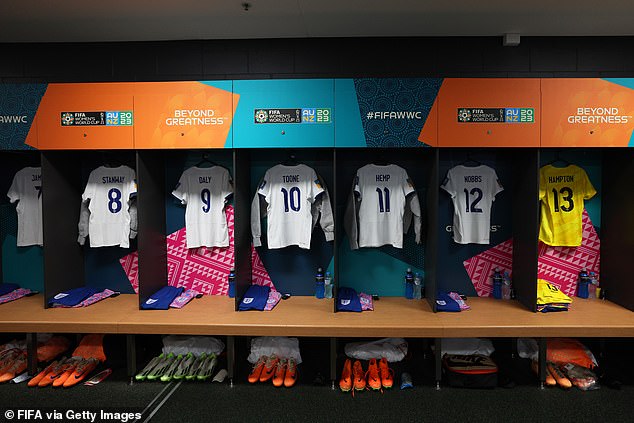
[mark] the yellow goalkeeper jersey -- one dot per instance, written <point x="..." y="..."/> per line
<point x="547" y="293"/>
<point x="562" y="191"/>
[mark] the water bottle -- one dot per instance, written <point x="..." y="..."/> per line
<point x="506" y="287"/>
<point x="319" y="283"/>
<point x="582" y="284"/>
<point x="328" y="285"/>
<point x="232" y="283"/>
<point x="409" y="284"/>
<point x="498" y="281"/>
<point x="418" y="285"/>
<point x="592" y="286"/>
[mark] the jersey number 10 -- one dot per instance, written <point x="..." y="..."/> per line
<point x="291" y="198"/>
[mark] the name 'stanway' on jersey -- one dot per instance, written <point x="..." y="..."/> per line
<point x="112" y="179"/>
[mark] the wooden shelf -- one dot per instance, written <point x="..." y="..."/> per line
<point x="29" y="315"/>
<point x="307" y="316"/>
<point x="498" y="318"/>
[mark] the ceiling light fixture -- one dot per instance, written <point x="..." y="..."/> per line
<point x="511" y="40"/>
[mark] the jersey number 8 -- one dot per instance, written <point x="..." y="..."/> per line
<point x="114" y="200"/>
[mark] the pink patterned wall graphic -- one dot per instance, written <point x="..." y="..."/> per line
<point x="558" y="265"/>
<point x="202" y="269"/>
<point x="481" y="267"/>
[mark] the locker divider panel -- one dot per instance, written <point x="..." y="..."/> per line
<point x="151" y="222"/>
<point x="525" y="225"/>
<point x="61" y="200"/>
<point x="431" y="230"/>
<point x="242" y="221"/>
<point x="335" y="248"/>
<point x="617" y="226"/>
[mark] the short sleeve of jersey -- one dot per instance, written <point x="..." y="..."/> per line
<point x="449" y="184"/>
<point x="542" y="184"/>
<point x="265" y="186"/>
<point x="14" y="190"/>
<point x="181" y="189"/>
<point x="227" y="185"/>
<point x="132" y="185"/>
<point x="316" y="187"/>
<point x="496" y="185"/>
<point x="357" y="188"/>
<point x="407" y="184"/>
<point x="89" y="191"/>
<point x="588" y="189"/>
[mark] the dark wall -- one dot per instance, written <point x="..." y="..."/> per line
<point x="317" y="57"/>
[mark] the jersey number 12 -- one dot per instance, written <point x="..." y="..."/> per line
<point x="473" y="206"/>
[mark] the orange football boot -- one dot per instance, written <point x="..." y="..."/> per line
<point x="280" y="372"/>
<point x="374" y="380"/>
<point x="291" y="373"/>
<point x="70" y="368"/>
<point x="82" y="370"/>
<point x="55" y="372"/>
<point x="387" y="374"/>
<point x="18" y="366"/>
<point x="254" y="376"/>
<point x="358" y="376"/>
<point x="36" y="379"/>
<point x="269" y="368"/>
<point x="345" y="383"/>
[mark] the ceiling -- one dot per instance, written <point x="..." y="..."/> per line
<point x="142" y="20"/>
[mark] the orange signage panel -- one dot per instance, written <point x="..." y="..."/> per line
<point x="488" y="112"/>
<point x="184" y="114"/>
<point x="586" y="113"/>
<point x="86" y="116"/>
<point x="429" y="134"/>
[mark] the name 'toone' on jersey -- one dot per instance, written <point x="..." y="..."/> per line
<point x="26" y="188"/>
<point x="109" y="190"/>
<point x="472" y="190"/>
<point x="382" y="191"/>
<point x="205" y="191"/>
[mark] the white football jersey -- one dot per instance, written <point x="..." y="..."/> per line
<point x="109" y="190"/>
<point x="382" y="191"/>
<point x="473" y="190"/>
<point x="205" y="191"/>
<point x="26" y="188"/>
<point x="289" y="192"/>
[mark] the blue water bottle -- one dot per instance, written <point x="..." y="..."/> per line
<point x="232" y="283"/>
<point x="498" y="281"/>
<point x="409" y="284"/>
<point x="582" y="284"/>
<point x="319" y="283"/>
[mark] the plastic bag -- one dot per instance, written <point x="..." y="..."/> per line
<point x="581" y="377"/>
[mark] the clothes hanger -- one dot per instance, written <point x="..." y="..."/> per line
<point x="205" y="160"/>
<point x="470" y="160"/>
<point x="110" y="160"/>
<point x="380" y="159"/>
<point x="558" y="159"/>
<point x="291" y="160"/>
